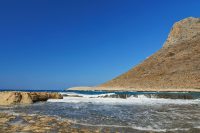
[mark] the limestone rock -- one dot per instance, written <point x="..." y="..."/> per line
<point x="10" y="98"/>
<point x="183" y="30"/>
<point x="26" y="98"/>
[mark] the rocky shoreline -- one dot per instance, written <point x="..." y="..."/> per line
<point x="14" y="97"/>
<point x="10" y="123"/>
<point x="33" y="123"/>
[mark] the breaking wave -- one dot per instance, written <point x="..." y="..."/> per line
<point x="113" y="98"/>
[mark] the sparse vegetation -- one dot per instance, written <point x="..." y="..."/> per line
<point x="180" y="71"/>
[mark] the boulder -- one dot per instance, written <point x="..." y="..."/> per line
<point x="11" y="98"/>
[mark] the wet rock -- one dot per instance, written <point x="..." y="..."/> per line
<point x="66" y="95"/>
<point x="159" y="95"/>
<point x="170" y="96"/>
<point x="123" y="96"/>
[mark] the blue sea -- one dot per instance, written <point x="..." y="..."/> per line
<point x="126" y="111"/>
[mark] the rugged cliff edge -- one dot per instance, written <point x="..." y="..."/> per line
<point x="11" y="97"/>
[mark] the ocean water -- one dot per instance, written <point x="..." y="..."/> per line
<point x="125" y="111"/>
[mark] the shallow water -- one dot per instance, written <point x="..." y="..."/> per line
<point x="136" y="111"/>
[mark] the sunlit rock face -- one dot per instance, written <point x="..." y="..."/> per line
<point x="183" y="30"/>
<point x="10" y="98"/>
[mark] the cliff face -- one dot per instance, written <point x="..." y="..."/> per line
<point x="183" y="30"/>
<point x="176" y="65"/>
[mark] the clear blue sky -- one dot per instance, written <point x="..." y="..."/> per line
<point x="46" y="44"/>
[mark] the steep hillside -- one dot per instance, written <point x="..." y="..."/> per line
<point x="175" y="66"/>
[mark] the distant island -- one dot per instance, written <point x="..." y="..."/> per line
<point x="175" y="67"/>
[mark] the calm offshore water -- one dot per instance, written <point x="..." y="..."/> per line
<point x="142" y="111"/>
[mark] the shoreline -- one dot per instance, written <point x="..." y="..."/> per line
<point x="16" y="97"/>
<point x="10" y="122"/>
<point x="118" y="89"/>
<point x="16" y="121"/>
<point x="20" y="122"/>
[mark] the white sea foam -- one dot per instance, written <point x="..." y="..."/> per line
<point x="86" y="95"/>
<point x="141" y="99"/>
<point x="148" y="128"/>
<point x="159" y="130"/>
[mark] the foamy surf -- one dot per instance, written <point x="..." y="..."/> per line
<point x="125" y="111"/>
<point x="140" y="99"/>
<point x="84" y="95"/>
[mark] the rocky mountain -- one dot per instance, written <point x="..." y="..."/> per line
<point x="175" y="66"/>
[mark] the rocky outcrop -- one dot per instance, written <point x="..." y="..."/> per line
<point x="44" y="96"/>
<point x="183" y="30"/>
<point x="10" y="98"/>
<point x="176" y="66"/>
<point x="25" y="123"/>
